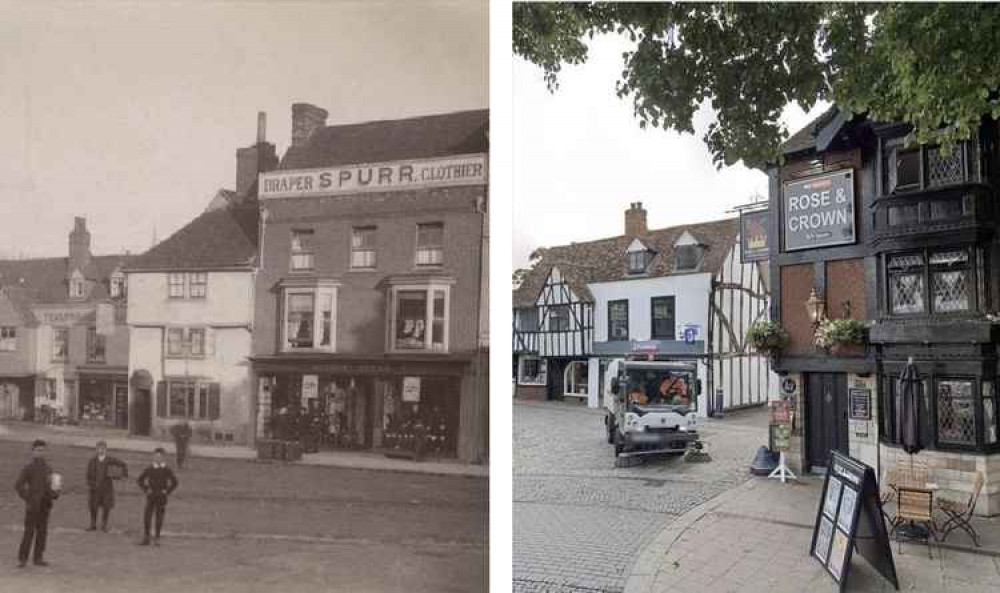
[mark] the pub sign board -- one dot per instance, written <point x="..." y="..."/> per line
<point x="850" y="517"/>
<point x="819" y="211"/>
<point x="753" y="235"/>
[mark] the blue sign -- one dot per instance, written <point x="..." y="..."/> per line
<point x="690" y="334"/>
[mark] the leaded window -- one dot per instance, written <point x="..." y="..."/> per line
<point x="944" y="170"/>
<point x="915" y="168"/>
<point x="950" y="281"/>
<point x="941" y="279"/>
<point x="906" y="284"/>
<point x="956" y="412"/>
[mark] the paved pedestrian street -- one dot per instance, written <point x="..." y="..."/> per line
<point x="579" y="522"/>
<point x="236" y="525"/>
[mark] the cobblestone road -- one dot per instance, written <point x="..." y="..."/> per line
<point x="579" y="521"/>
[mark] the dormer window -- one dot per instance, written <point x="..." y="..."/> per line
<point x="76" y="285"/>
<point x="116" y="286"/>
<point x="639" y="256"/>
<point x="687" y="257"/>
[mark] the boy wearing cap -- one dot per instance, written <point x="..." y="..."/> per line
<point x="34" y="485"/>
<point x="101" y="470"/>
<point x="158" y="482"/>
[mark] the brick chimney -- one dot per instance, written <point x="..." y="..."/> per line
<point x="305" y="119"/>
<point x="79" y="245"/>
<point x="635" y="220"/>
<point x="259" y="158"/>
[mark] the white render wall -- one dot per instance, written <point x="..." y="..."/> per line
<point x="229" y="300"/>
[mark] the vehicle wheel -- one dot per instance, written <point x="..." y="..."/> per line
<point x="619" y="446"/>
<point x="611" y="430"/>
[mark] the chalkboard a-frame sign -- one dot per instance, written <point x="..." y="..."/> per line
<point x="850" y="517"/>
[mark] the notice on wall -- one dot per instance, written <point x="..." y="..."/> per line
<point x="819" y="211"/>
<point x="310" y="388"/>
<point x="411" y="389"/>
<point x="375" y="177"/>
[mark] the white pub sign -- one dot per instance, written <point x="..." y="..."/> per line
<point x="374" y="177"/>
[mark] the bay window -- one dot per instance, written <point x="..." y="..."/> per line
<point x="935" y="281"/>
<point x="418" y="317"/>
<point x="309" y="322"/>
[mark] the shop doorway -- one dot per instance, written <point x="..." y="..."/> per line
<point x="142" y="408"/>
<point x="557" y="379"/>
<point x="826" y="416"/>
<point x="121" y="405"/>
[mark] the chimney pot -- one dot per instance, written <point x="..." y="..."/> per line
<point x="261" y="127"/>
<point x="635" y="220"/>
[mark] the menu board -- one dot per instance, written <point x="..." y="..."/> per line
<point x="849" y="517"/>
<point x="861" y="403"/>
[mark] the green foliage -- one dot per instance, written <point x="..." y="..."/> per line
<point x="933" y="66"/>
<point x="839" y="332"/>
<point x="767" y="337"/>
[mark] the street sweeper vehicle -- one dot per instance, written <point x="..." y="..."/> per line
<point x="650" y="407"/>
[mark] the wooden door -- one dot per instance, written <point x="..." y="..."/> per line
<point x="826" y="416"/>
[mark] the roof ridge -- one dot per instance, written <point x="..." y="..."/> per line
<point x="649" y="232"/>
<point x="409" y="118"/>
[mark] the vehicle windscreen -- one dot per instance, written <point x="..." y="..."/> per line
<point x="650" y="387"/>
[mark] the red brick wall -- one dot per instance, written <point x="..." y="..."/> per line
<point x="532" y="392"/>
<point x="845" y="282"/>
<point x="796" y="284"/>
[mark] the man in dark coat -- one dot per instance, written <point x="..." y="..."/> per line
<point x="34" y="486"/>
<point x="158" y="482"/>
<point x="101" y="470"/>
<point x="182" y="436"/>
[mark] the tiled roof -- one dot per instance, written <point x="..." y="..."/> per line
<point x="45" y="280"/>
<point x="20" y="301"/>
<point x="604" y="260"/>
<point x="805" y="138"/>
<point x="218" y="238"/>
<point x="461" y="132"/>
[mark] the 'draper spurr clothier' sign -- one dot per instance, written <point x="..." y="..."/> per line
<point x="374" y="177"/>
<point x="819" y="211"/>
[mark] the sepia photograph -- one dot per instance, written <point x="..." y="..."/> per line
<point x="244" y="280"/>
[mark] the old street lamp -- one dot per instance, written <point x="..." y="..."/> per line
<point x="816" y="307"/>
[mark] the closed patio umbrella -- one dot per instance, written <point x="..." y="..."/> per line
<point x="907" y="419"/>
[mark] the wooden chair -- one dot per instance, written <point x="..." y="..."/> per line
<point x="915" y="506"/>
<point x="960" y="513"/>
<point x="887" y="493"/>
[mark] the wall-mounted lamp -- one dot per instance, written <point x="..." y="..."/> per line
<point x="816" y="308"/>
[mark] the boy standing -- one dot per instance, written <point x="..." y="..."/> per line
<point x="101" y="470"/>
<point x="34" y="486"/>
<point x="158" y="482"/>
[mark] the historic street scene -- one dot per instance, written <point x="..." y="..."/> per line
<point x="244" y="297"/>
<point x="754" y="338"/>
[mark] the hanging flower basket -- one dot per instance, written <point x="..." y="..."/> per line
<point x="833" y="335"/>
<point x="767" y="337"/>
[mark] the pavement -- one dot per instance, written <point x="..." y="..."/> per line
<point x="236" y="526"/>
<point x="580" y="522"/>
<point x="117" y="439"/>
<point x="756" y="538"/>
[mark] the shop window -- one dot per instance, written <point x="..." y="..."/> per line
<point x="430" y="244"/>
<point x="116" y="285"/>
<point x="527" y="319"/>
<point x="197" y="285"/>
<point x="559" y="316"/>
<point x="8" y="338"/>
<point x="531" y="371"/>
<point x="191" y="400"/>
<point x="96" y="345"/>
<point x="175" y="282"/>
<point x="575" y="378"/>
<point x="60" y="343"/>
<point x="363" y="247"/>
<point x="618" y="320"/>
<point x="956" y="415"/>
<point x="663" y="318"/>
<point x="414" y="310"/>
<point x="302" y="250"/>
<point x="308" y="319"/>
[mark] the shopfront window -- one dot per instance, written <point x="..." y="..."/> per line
<point x="575" y="378"/>
<point x="531" y="371"/>
<point x="309" y="319"/>
<point x="191" y="400"/>
<point x="420" y="318"/>
<point x="96" y="345"/>
<point x="60" y="343"/>
<point x="956" y="412"/>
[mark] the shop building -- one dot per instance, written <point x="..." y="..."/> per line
<point x="679" y="293"/>
<point x="370" y="297"/>
<point x="63" y="342"/>
<point x="903" y="238"/>
<point x="190" y="315"/>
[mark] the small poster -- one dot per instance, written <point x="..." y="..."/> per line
<point x="832" y="497"/>
<point x="823" y="537"/>
<point x="782" y="437"/>
<point x="837" y="554"/>
<point x="846" y="515"/>
<point x="861" y="403"/>
<point x="310" y="388"/>
<point x="411" y="389"/>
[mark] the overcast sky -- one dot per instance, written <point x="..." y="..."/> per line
<point x="131" y="113"/>
<point x="580" y="159"/>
